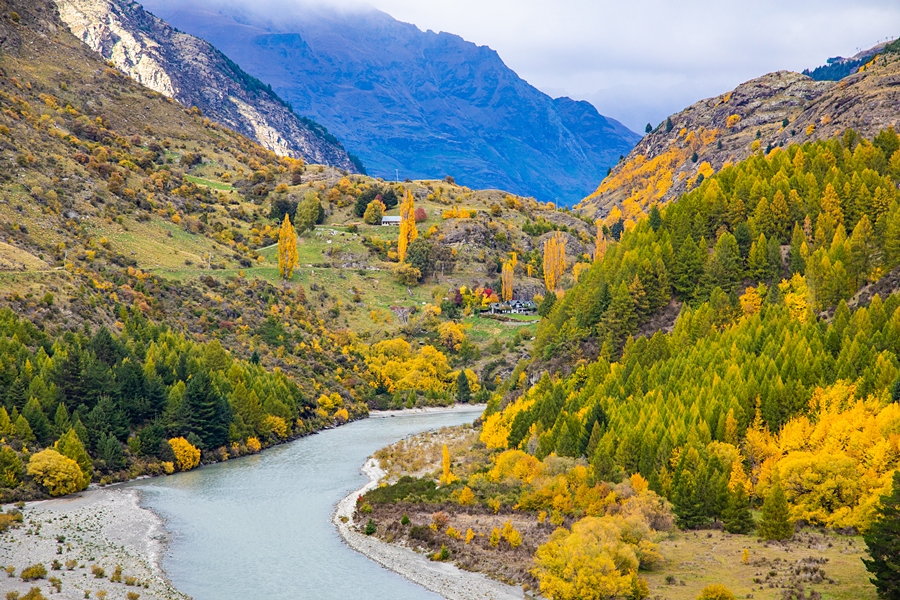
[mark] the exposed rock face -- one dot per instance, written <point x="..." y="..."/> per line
<point x="428" y="104"/>
<point x="774" y="110"/>
<point x="194" y="73"/>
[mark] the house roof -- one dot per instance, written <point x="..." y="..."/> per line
<point x="390" y="219"/>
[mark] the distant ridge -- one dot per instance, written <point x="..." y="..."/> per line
<point x="418" y="104"/>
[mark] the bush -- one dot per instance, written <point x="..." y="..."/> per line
<point x="58" y="474"/>
<point x="404" y="520"/>
<point x="187" y="456"/>
<point x="370" y="527"/>
<point x="38" y="571"/>
<point x="98" y="572"/>
<point x="716" y="591"/>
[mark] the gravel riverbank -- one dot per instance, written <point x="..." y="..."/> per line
<point x="441" y="578"/>
<point x="104" y="528"/>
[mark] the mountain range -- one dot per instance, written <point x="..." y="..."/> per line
<point x="415" y="104"/>
<point x="196" y="74"/>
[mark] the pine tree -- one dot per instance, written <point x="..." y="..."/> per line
<point x="689" y="512"/>
<point x="70" y="445"/>
<point x="40" y="425"/>
<point x="287" y="249"/>
<point x="775" y="523"/>
<point x="737" y="517"/>
<point x="463" y="391"/>
<point x="203" y="412"/>
<point x="883" y="540"/>
<point x="110" y="451"/>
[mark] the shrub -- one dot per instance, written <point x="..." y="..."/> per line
<point x="370" y="527"/>
<point x="116" y="577"/>
<point x="132" y="596"/>
<point x="38" y="571"/>
<point x="441" y="555"/>
<point x="187" y="456"/>
<point x="366" y="509"/>
<point x="715" y="591"/>
<point x="404" y="520"/>
<point x="58" y="474"/>
<point x="98" y="572"/>
<point x="71" y="564"/>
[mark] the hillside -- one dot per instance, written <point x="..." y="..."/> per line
<point x="771" y="111"/>
<point x="617" y="454"/>
<point x="140" y="254"/>
<point x="427" y="104"/>
<point x="195" y="73"/>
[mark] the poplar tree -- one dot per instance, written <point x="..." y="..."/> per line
<point x="287" y="249"/>
<point x="554" y="260"/>
<point x="408" y="231"/>
<point x="506" y="277"/>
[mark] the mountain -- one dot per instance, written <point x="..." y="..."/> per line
<point x="769" y="112"/>
<point x="195" y="73"/>
<point x="422" y="103"/>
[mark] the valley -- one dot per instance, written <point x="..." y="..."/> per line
<point x="686" y="386"/>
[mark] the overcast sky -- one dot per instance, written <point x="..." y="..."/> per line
<point x="641" y="60"/>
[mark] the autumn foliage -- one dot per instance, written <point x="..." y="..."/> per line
<point x="554" y="261"/>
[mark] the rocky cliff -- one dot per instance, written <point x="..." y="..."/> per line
<point x="424" y="103"/>
<point x="760" y="115"/>
<point x="193" y="72"/>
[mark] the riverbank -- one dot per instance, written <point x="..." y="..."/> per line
<point x="442" y="578"/>
<point x="105" y="528"/>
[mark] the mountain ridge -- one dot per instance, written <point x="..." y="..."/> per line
<point x="424" y="103"/>
<point x="759" y="115"/>
<point x="196" y="73"/>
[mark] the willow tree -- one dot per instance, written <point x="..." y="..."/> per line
<point x="506" y="277"/>
<point x="287" y="249"/>
<point x="408" y="231"/>
<point x="554" y="260"/>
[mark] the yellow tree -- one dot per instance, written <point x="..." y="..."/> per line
<point x="287" y="249"/>
<point x="447" y="477"/>
<point x="554" y="260"/>
<point x="600" y="243"/>
<point x="408" y="231"/>
<point x="506" y="278"/>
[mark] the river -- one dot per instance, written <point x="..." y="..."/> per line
<point x="259" y="527"/>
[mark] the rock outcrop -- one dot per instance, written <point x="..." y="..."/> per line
<point x="760" y="115"/>
<point x="194" y="73"/>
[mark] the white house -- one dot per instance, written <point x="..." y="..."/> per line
<point x="387" y="221"/>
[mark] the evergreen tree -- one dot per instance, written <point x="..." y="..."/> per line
<point x="38" y="421"/>
<point x="883" y="540"/>
<point x="737" y="517"/>
<point x="204" y="412"/>
<point x="16" y="396"/>
<point x="775" y="523"/>
<point x="70" y="445"/>
<point x="547" y="304"/>
<point x="655" y="218"/>
<point x="110" y="450"/>
<point x="689" y="509"/>
<point x="463" y="391"/>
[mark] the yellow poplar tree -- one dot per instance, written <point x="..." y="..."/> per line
<point x="408" y="231"/>
<point x="600" y="243"/>
<point x="506" y="278"/>
<point x="554" y="260"/>
<point x="448" y="477"/>
<point x="287" y="249"/>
